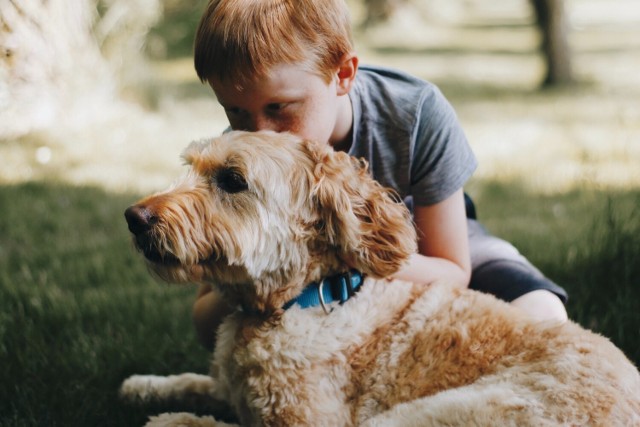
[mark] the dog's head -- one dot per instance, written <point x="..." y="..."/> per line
<point x="268" y="213"/>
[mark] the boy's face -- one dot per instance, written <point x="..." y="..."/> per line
<point x="289" y="99"/>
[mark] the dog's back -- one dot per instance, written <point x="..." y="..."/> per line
<point x="425" y="355"/>
<point x="475" y="360"/>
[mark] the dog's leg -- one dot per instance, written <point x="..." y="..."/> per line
<point x="184" y="419"/>
<point x="172" y="388"/>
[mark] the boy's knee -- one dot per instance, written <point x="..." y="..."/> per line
<point x="485" y="247"/>
<point x="542" y="305"/>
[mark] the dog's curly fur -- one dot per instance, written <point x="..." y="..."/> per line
<point x="261" y="215"/>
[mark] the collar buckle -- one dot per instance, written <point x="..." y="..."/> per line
<point x="339" y="288"/>
<point x="323" y="304"/>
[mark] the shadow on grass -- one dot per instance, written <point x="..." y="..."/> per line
<point x="80" y="312"/>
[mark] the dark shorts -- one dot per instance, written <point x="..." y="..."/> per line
<point x="498" y="268"/>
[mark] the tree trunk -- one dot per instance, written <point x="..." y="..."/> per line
<point x="552" y="20"/>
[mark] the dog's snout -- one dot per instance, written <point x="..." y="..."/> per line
<point x="139" y="218"/>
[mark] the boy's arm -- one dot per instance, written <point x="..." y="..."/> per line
<point x="209" y="310"/>
<point x="443" y="244"/>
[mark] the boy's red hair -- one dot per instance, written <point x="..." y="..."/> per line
<point x="240" y="40"/>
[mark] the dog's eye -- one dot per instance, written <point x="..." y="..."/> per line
<point x="231" y="181"/>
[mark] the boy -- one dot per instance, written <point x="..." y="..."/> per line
<point x="289" y="65"/>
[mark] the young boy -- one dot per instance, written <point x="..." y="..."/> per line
<point x="289" y="65"/>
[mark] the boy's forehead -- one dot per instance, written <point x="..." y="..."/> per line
<point x="281" y="81"/>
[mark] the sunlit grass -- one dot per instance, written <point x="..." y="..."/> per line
<point x="484" y="57"/>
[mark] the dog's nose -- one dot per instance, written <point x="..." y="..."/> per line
<point x="139" y="218"/>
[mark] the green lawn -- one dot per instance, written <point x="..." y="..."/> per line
<point x="80" y="312"/>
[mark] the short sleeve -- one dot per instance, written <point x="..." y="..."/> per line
<point x="441" y="159"/>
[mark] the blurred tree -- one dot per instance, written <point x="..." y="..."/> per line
<point x="551" y="19"/>
<point x="62" y="62"/>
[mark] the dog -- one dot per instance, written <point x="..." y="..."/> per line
<point x="305" y="243"/>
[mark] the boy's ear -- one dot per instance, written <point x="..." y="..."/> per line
<point x="346" y="73"/>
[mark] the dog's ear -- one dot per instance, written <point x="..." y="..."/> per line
<point x="371" y="228"/>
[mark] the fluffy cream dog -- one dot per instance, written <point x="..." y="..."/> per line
<point x="267" y="218"/>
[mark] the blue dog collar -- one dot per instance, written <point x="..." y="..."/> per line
<point x="335" y="288"/>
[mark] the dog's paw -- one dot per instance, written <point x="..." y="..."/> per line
<point x="157" y="388"/>
<point x="143" y="387"/>
<point x="184" y="419"/>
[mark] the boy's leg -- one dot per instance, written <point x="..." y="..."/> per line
<point x="542" y="305"/>
<point x="499" y="269"/>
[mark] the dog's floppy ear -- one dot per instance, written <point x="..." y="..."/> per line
<point x="372" y="230"/>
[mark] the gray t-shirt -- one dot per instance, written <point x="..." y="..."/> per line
<point x="409" y="134"/>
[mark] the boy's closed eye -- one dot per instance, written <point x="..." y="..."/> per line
<point x="234" y="111"/>
<point x="277" y="107"/>
<point x="272" y="109"/>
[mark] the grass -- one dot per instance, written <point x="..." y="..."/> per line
<point x="79" y="311"/>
